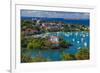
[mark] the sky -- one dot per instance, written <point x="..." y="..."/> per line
<point x="54" y="14"/>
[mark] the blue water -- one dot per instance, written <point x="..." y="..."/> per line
<point x="69" y="21"/>
<point x="78" y="39"/>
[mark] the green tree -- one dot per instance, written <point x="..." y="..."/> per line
<point x="23" y="41"/>
<point x="34" y="44"/>
<point x="68" y="57"/>
<point x="64" y="44"/>
<point x="39" y="59"/>
<point x="46" y="44"/>
<point x="25" y="58"/>
<point x="83" y="54"/>
<point x="30" y="45"/>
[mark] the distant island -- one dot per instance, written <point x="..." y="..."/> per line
<point x="39" y="25"/>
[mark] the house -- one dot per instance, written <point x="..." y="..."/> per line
<point x="54" y="39"/>
<point x="30" y="31"/>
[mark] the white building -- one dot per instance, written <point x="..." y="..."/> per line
<point x="54" y="39"/>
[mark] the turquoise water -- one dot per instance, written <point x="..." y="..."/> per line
<point x="78" y="40"/>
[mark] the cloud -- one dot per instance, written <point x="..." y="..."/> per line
<point x="54" y="14"/>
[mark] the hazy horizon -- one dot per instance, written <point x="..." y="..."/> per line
<point x="54" y="14"/>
